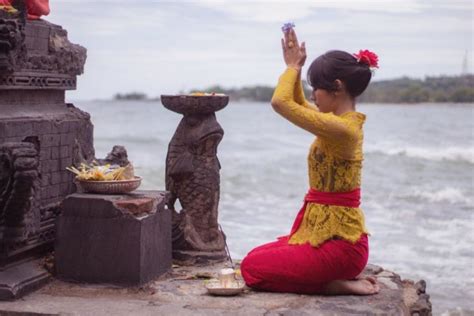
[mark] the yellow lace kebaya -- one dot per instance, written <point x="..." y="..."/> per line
<point x="334" y="162"/>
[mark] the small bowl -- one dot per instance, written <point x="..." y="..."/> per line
<point x="111" y="187"/>
<point x="214" y="287"/>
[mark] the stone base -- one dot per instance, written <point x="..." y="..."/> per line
<point x="187" y="258"/>
<point x="117" y="239"/>
<point x="22" y="279"/>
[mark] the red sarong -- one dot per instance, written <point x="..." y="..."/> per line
<point x="281" y="267"/>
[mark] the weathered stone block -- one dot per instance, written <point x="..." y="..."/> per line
<point x="55" y="152"/>
<point x="50" y="140"/>
<point x="53" y="190"/>
<point x="42" y="127"/>
<point x="64" y="151"/>
<point x="45" y="153"/>
<point x="24" y="128"/>
<point x="66" y="176"/>
<point x="112" y="239"/>
<point x="63" y="127"/>
<point x="45" y="178"/>
<point x="64" y="163"/>
<point x="67" y="139"/>
<point x="48" y="166"/>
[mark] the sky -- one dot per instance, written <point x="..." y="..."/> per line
<point x="164" y="47"/>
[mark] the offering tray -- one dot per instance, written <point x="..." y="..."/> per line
<point x="194" y="104"/>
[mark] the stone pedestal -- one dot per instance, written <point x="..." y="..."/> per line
<point x="193" y="178"/>
<point x="117" y="239"/>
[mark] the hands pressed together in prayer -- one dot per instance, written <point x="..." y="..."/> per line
<point x="294" y="54"/>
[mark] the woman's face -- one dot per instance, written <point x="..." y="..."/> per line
<point x="324" y="100"/>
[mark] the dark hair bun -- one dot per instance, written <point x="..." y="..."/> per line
<point x="336" y="64"/>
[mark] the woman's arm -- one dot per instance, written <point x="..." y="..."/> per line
<point x="294" y="56"/>
<point x="326" y="125"/>
<point x="299" y="94"/>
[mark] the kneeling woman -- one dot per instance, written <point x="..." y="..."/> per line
<point x="328" y="246"/>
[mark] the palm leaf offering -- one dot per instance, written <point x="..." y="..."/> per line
<point x="202" y="94"/>
<point x="8" y="8"/>
<point x="95" y="172"/>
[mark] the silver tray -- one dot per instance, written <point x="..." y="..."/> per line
<point x="214" y="287"/>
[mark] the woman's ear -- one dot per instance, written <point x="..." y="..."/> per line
<point x="339" y="85"/>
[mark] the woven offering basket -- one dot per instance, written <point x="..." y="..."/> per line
<point x="110" y="187"/>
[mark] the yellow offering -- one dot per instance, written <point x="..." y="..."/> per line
<point x="106" y="172"/>
<point x="8" y="8"/>
<point x="206" y="94"/>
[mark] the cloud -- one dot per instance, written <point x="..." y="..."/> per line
<point x="164" y="46"/>
<point x="458" y="5"/>
<point x="278" y="11"/>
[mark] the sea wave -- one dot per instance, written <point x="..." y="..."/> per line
<point x="454" y="154"/>
<point x="447" y="194"/>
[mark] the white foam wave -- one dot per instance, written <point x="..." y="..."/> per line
<point x="451" y="195"/>
<point x="456" y="154"/>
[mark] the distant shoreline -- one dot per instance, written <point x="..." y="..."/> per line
<point x="442" y="89"/>
<point x="242" y="102"/>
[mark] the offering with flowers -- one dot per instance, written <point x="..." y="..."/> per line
<point x="106" y="179"/>
<point x="202" y="94"/>
<point x="227" y="283"/>
<point x="96" y="172"/>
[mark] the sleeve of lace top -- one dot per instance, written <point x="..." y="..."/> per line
<point x="326" y="125"/>
<point x="299" y="94"/>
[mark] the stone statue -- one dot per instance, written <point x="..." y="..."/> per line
<point x="118" y="156"/>
<point x="192" y="177"/>
<point x="18" y="191"/>
<point x="12" y="46"/>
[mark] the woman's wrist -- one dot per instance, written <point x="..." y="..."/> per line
<point x="296" y="67"/>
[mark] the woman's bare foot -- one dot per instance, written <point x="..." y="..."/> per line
<point x="363" y="286"/>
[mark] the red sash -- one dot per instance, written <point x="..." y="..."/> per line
<point x="347" y="199"/>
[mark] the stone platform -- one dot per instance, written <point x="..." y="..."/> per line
<point x="182" y="292"/>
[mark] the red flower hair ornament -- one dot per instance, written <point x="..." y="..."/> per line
<point x="367" y="57"/>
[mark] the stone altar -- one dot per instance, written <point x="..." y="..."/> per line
<point x="118" y="239"/>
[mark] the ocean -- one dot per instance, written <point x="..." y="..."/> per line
<point x="417" y="186"/>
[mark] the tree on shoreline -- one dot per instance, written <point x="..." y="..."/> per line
<point x="454" y="89"/>
<point x="130" y="96"/>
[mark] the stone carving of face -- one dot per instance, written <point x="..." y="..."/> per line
<point x="207" y="135"/>
<point x="11" y="38"/>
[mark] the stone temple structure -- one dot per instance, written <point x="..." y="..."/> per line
<point x="123" y="239"/>
<point x="40" y="135"/>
